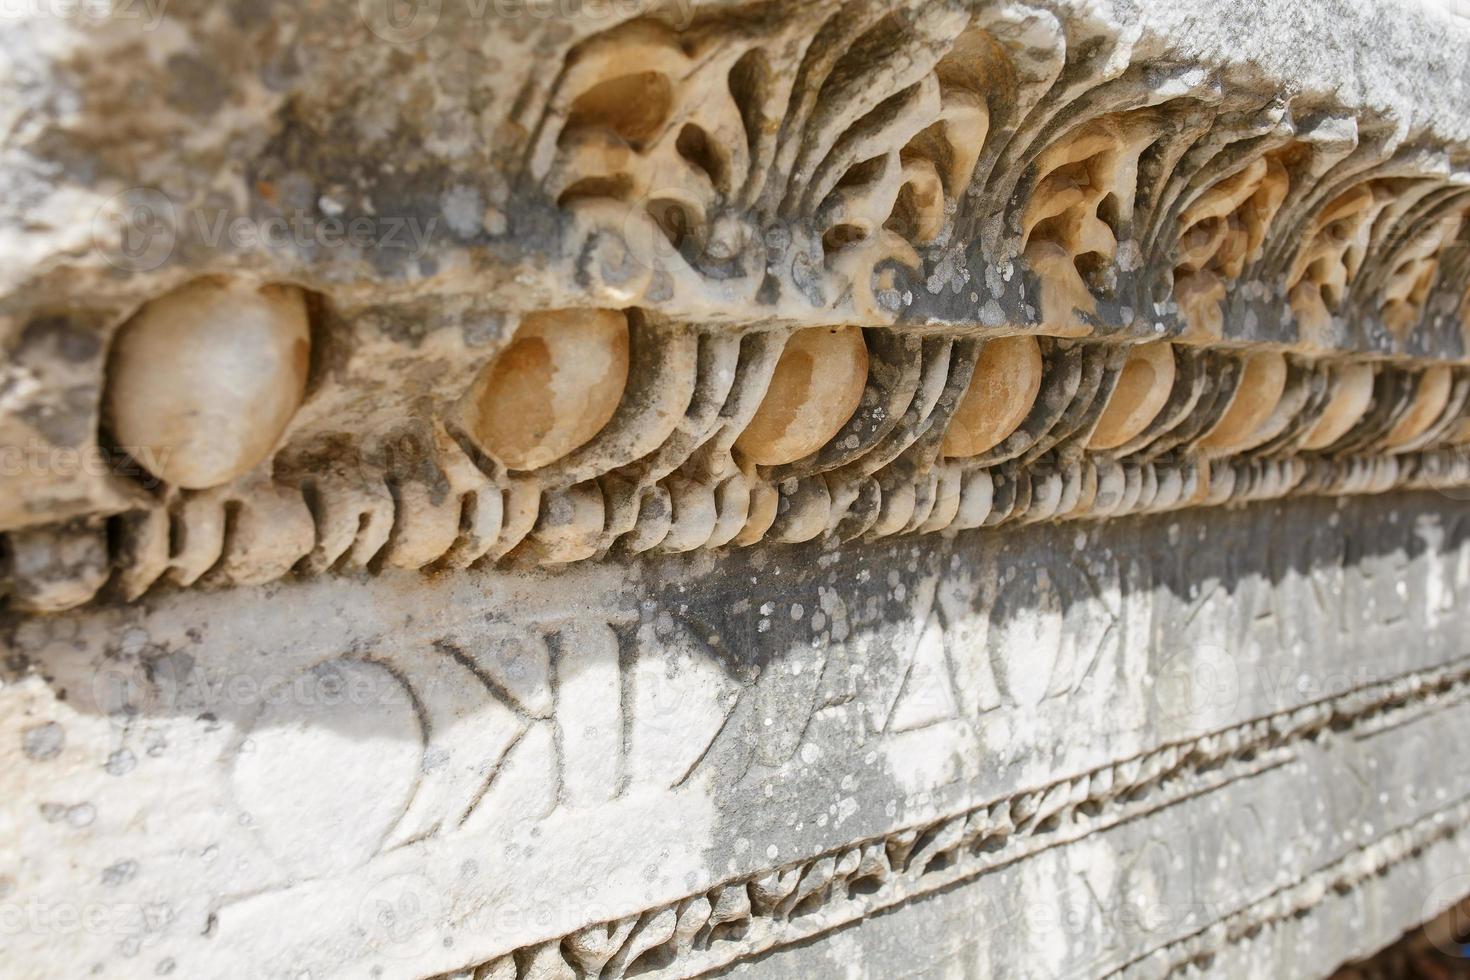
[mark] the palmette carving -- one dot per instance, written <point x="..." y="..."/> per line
<point x="1220" y="232"/>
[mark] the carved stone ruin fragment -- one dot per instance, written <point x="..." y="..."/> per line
<point x="936" y="488"/>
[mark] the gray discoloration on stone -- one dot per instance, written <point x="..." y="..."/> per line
<point x="121" y="762"/>
<point x="120" y="873"/>
<point x="43" y="741"/>
<point x="859" y="692"/>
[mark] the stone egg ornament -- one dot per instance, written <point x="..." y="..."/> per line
<point x="553" y="388"/>
<point x="1141" y="391"/>
<point x="816" y="386"/>
<point x="1262" y="382"/>
<point x="1002" y="390"/>
<point x="203" y="381"/>
<point x="1350" y="398"/>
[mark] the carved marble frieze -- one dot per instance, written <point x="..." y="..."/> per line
<point x="667" y="770"/>
<point x="760" y="488"/>
<point x="769" y="274"/>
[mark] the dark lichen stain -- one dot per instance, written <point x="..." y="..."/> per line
<point x="46" y="337"/>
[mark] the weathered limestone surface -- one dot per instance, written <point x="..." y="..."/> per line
<point x="1130" y="747"/>
<point x="803" y="489"/>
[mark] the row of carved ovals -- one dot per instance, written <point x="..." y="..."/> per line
<point x="563" y="377"/>
<point x="204" y="381"/>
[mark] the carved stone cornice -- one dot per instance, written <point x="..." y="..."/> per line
<point x="759" y="274"/>
<point x="576" y="489"/>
